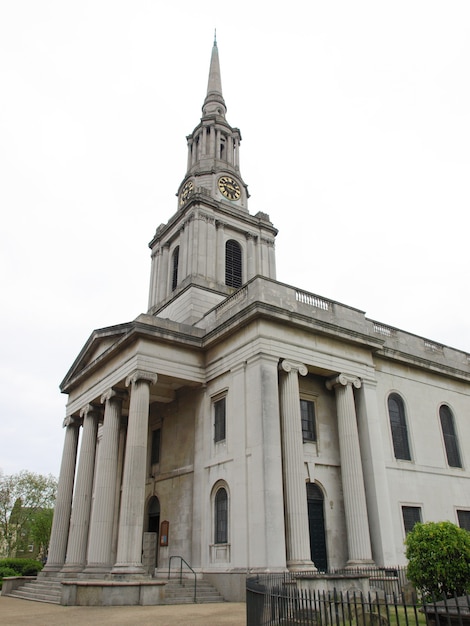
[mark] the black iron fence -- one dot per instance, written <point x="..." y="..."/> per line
<point x="288" y="600"/>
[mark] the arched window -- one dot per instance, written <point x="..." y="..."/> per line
<point x="174" y="275"/>
<point x="396" y="412"/>
<point x="450" y="436"/>
<point x="221" y="516"/>
<point x="233" y="264"/>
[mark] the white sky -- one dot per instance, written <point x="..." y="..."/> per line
<point x="355" y="118"/>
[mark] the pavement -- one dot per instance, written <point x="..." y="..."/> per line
<point x="14" y="612"/>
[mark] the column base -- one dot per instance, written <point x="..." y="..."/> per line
<point x="301" y="566"/>
<point x="52" y="568"/>
<point x="360" y="564"/>
<point x="97" y="568"/>
<point x="129" y="569"/>
<point x="73" y="568"/>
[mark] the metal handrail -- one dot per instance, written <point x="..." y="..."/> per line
<point x="181" y="571"/>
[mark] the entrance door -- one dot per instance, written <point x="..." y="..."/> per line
<point x="154" y="521"/>
<point x="316" y="524"/>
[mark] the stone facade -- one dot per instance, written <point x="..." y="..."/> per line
<point x="252" y="426"/>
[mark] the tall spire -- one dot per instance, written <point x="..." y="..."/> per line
<point x="214" y="102"/>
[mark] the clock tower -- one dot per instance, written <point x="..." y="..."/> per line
<point x="212" y="245"/>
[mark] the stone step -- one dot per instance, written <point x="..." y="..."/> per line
<point x="39" y="591"/>
<point x="183" y="593"/>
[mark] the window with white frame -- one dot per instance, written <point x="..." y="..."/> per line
<point x="396" y="412"/>
<point x="450" y="436"/>
<point x="411" y="516"/>
<point x="219" y="412"/>
<point x="307" y="414"/>
<point x="221" y="516"/>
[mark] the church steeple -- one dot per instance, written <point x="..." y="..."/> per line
<point x="212" y="245"/>
<point x="214" y="102"/>
<point x="214" y="148"/>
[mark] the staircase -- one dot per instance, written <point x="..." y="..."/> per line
<point x="183" y="593"/>
<point x="42" y="590"/>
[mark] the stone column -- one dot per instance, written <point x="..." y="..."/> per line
<point x="220" y="253"/>
<point x="131" y="519"/>
<point x="153" y="279"/>
<point x="250" y="256"/>
<point x="102" y="515"/>
<point x="80" y="520"/>
<point x="357" y="522"/>
<point x="63" y="503"/>
<point x="162" y="287"/>
<point x="295" y="493"/>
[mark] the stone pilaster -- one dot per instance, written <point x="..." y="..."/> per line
<point x="131" y="519"/>
<point x="63" y="504"/>
<point x="102" y="515"/>
<point x="80" y="520"/>
<point x="295" y="495"/>
<point x="357" y="522"/>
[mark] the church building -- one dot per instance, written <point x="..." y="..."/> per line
<point x="244" y="424"/>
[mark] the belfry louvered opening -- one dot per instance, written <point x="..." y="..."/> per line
<point x="233" y="264"/>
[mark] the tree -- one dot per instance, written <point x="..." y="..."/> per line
<point x="438" y="556"/>
<point x="41" y="527"/>
<point x="22" y="497"/>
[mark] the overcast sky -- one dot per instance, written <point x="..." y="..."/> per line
<point x="355" y="118"/>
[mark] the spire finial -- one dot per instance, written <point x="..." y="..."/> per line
<point x="215" y="37"/>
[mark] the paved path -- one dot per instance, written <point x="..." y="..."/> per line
<point x="14" y="612"/>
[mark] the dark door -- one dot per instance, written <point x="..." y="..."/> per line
<point x="154" y="520"/>
<point x="316" y="524"/>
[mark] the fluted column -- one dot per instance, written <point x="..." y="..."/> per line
<point x="357" y="522"/>
<point x="102" y="515"/>
<point x="295" y="496"/>
<point x="131" y="519"/>
<point x="63" y="503"/>
<point x="80" y="520"/>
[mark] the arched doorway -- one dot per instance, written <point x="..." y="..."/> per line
<point x="316" y="525"/>
<point x="153" y="524"/>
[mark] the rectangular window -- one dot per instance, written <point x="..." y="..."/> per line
<point x="307" y="414"/>
<point x="156" y="441"/>
<point x="411" y="516"/>
<point x="464" y="519"/>
<point x="219" y="420"/>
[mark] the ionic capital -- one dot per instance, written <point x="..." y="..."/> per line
<point x="90" y="409"/>
<point x="342" y="380"/>
<point x="292" y="366"/>
<point x="115" y="394"/>
<point x="71" y="421"/>
<point x="139" y="375"/>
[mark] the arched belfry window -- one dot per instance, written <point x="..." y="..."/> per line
<point x="450" y="436"/>
<point x="233" y="264"/>
<point x="174" y="268"/>
<point x="221" y="516"/>
<point x="396" y="412"/>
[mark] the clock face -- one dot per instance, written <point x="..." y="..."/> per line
<point x="229" y="188"/>
<point x="186" y="191"/>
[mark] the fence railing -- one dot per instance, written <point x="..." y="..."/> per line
<point x="288" y="600"/>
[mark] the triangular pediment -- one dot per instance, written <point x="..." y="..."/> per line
<point x="100" y="342"/>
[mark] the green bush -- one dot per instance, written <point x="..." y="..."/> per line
<point x="5" y="572"/>
<point x="438" y="556"/>
<point x="22" y="567"/>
